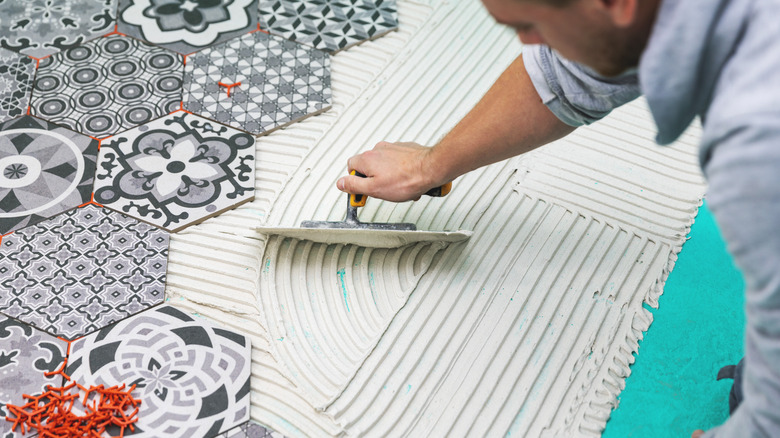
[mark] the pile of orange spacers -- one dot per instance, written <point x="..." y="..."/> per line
<point x="50" y="414"/>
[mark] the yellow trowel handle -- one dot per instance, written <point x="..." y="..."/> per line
<point x="360" y="200"/>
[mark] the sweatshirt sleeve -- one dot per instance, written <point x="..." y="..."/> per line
<point x="743" y="169"/>
<point x="740" y="155"/>
<point x="574" y="93"/>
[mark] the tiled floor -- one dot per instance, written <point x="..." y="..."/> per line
<point x="83" y="254"/>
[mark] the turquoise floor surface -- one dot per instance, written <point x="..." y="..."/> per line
<point x="697" y="329"/>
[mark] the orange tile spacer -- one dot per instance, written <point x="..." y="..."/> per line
<point x="91" y="201"/>
<point x="228" y="86"/>
<point x="38" y="60"/>
<point x="114" y="32"/>
<point x="51" y="413"/>
<point x="181" y="108"/>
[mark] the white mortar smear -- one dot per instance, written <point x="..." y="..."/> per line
<point x="526" y="329"/>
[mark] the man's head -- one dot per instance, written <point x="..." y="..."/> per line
<point x="606" y="35"/>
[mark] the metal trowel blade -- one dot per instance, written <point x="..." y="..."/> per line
<point x="370" y="238"/>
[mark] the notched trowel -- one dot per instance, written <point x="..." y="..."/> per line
<point x="371" y="234"/>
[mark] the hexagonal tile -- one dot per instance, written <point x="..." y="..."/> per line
<point x="176" y="171"/>
<point x="16" y="81"/>
<point x="25" y="354"/>
<point x="82" y="270"/>
<point x="257" y="82"/>
<point x="192" y="378"/>
<point x="186" y="26"/>
<point x="329" y="25"/>
<point x="40" y="28"/>
<point x="44" y="170"/>
<point x="108" y="85"/>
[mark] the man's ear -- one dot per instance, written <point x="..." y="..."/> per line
<point x="622" y="12"/>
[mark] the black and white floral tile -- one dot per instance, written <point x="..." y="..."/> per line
<point x="82" y="270"/>
<point x="40" y="28"/>
<point x="45" y="169"/>
<point x="192" y="377"/>
<point x="186" y="26"/>
<point x="176" y="171"/>
<point x="272" y="82"/>
<point x="25" y="355"/>
<point x="330" y="25"/>
<point x="114" y="70"/>
<point x="16" y="81"/>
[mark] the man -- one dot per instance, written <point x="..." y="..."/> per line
<point x="717" y="59"/>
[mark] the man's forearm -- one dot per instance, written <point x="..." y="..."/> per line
<point x="509" y="120"/>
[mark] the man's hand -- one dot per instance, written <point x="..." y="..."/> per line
<point x="697" y="433"/>
<point x="394" y="172"/>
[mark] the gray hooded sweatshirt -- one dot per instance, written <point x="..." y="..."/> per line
<point x="719" y="60"/>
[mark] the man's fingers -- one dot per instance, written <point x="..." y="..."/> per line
<point x="354" y="184"/>
<point x="697" y="433"/>
<point x="357" y="162"/>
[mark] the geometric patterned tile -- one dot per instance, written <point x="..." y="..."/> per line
<point x="107" y="85"/>
<point x="276" y="82"/>
<point x="176" y="171"/>
<point x="16" y="82"/>
<point x="44" y="170"/>
<point x="25" y="354"/>
<point x="39" y="28"/>
<point x="329" y="25"/>
<point x="192" y="377"/>
<point x="186" y="26"/>
<point x="82" y="270"/>
<point x="251" y="430"/>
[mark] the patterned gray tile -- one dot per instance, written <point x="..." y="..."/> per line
<point x="108" y="85"/>
<point x="82" y="270"/>
<point x="186" y="26"/>
<point x="176" y="171"/>
<point x="40" y="28"/>
<point x="276" y="82"/>
<point x="326" y="24"/>
<point x="251" y="430"/>
<point x="192" y="378"/>
<point x="25" y="355"/>
<point x="16" y="80"/>
<point x="44" y="170"/>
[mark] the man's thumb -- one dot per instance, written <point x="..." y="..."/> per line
<point x="353" y="184"/>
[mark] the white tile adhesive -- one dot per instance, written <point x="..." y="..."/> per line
<point x="526" y="329"/>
